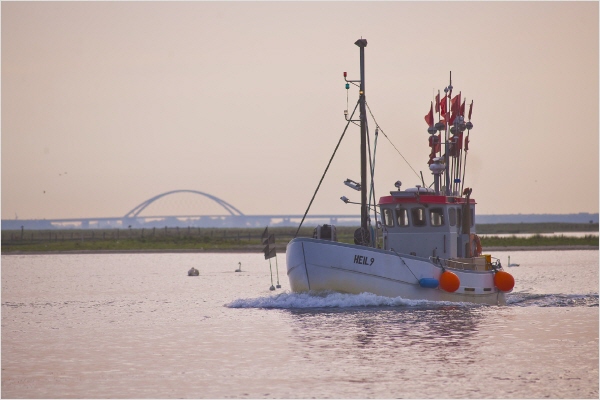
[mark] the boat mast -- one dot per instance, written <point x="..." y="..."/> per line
<point x="364" y="211"/>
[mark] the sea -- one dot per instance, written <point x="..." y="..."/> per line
<point x="137" y="326"/>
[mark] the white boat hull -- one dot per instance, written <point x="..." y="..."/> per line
<point x="317" y="265"/>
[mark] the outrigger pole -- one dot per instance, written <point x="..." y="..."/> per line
<point x="446" y="147"/>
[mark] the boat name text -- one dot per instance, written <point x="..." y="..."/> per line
<point x="363" y="260"/>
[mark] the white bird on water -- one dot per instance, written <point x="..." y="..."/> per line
<point x="239" y="268"/>
<point x="512" y="265"/>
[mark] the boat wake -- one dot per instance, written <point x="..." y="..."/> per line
<point x="312" y="300"/>
<point x="334" y="300"/>
<point x="552" y="300"/>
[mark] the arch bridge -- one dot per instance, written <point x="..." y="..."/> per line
<point x="135" y="212"/>
<point x="232" y="217"/>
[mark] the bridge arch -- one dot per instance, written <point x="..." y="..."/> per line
<point x="140" y="207"/>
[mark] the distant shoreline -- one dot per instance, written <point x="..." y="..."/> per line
<point x="253" y="251"/>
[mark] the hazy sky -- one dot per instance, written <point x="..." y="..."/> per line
<point x="107" y="104"/>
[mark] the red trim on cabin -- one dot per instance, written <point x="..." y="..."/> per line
<point x="424" y="198"/>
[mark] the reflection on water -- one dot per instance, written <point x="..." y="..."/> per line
<point x="395" y="327"/>
<point x="440" y="335"/>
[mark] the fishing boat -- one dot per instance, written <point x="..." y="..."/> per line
<point x="423" y="244"/>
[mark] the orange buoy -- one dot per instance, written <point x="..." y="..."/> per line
<point x="449" y="281"/>
<point x="504" y="281"/>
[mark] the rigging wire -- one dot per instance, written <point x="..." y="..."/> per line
<point x="372" y="189"/>
<point x="372" y="171"/>
<point x="370" y="162"/>
<point x="326" y="168"/>
<point x="386" y="136"/>
<point x="406" y="265"/>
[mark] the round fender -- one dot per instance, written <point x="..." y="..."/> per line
<point x="449" y="281"/>
<point x="504" y="281"/>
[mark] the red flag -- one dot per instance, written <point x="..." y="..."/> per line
<point x="436" y="146"/>
<point x="443" y="106"/>
<point x="435" y="143"/>
<point x="431" y="157"/>
<point x="455" y="104"/>
<point x="467" y="142"/>
<point x="437" y="102"/>
<point x="451" y="118"/>
<point x="462" y="108"/>
<point x="454" y="108"/>
<point x="429" y="116"/>
<point x="470" y="109"/>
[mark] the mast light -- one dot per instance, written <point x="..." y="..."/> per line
<point x="352" y="184"/>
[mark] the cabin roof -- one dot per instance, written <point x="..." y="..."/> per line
<point x="412" y="198"/>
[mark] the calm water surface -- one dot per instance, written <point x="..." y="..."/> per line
<point x="136" y="326"/>
<point x="553" y="234"/>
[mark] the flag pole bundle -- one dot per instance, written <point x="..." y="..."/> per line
<point x="269" y="253"/>
<point x="451" y="117"/>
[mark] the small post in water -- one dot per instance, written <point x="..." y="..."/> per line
<point x="269" y="253"/>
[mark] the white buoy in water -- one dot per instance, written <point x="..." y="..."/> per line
<point x="239" y="268"/>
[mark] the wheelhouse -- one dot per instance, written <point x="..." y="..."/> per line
<point x="425" y="224"/>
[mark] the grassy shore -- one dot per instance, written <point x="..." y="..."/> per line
<point x="164" y="239"/>
<point x="249" y="239"/>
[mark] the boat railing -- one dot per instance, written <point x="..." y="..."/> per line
<point x="470" y="264"/>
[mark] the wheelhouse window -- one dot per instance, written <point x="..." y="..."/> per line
<point x="436" y="216"/>
<point x="418" y="216"/>
<point x="388" y="217"/>
<point x="452" y="216"/>
<point x="402" y="216"/>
